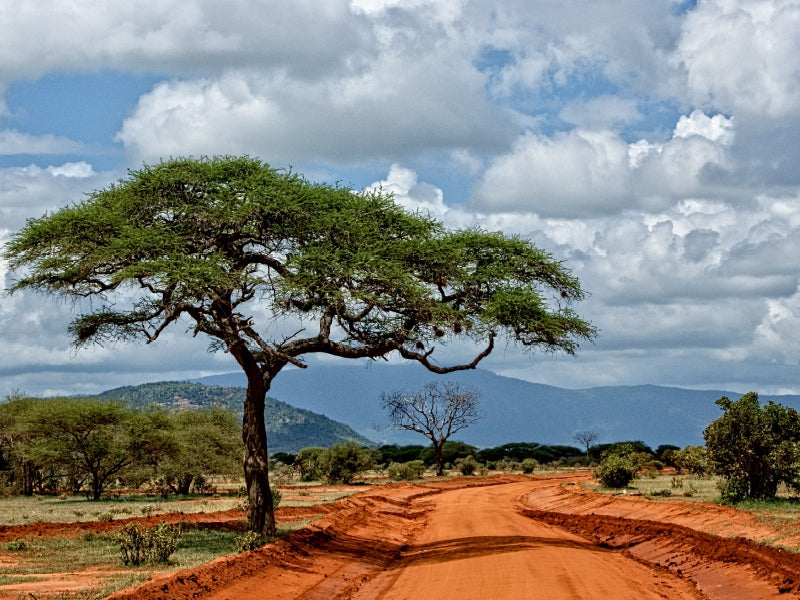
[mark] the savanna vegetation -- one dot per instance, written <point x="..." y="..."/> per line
<point x="237" y="248"/>
<point x="81" y="445"/>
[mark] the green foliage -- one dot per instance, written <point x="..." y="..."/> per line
<point x="754" y="448"/>
<point x="406" y="471"/>
<point x="467" y="465"/>
<point x="519" y="451"/>
<point x="400" y="454"/>
<point x="615" y="471"/>
<point x="86" y="443"/>
<point x="626" y="447"/>
<point x="452" y="450"/>
<point x="529" y="465"/>
<point x="92" y="440"/>
<point x="139" y="545"/>
<point x="309" y="463"/>
<point x="693" y="459"/>
<point x="341" y="463"/>
<point x="285" y="458"/>
<point x="249" y="540"/>
<point x="16" y="545"/>
<point x="209" y="442"/>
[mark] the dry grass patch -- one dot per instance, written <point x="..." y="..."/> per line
<point x="23" y="510"/>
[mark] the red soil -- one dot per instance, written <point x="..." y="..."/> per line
<point x="496" y="537"/>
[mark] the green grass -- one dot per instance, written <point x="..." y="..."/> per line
<point x="9" y="580"/>
<point x="700" y="489"/>
<point x="44" y="556"/>
<point x="22" y="510"/>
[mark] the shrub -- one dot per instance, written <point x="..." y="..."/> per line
<point x="249" y="541"/>
<point x="16" y="546"/>
<point x="343" y="462"/>
<point x="276" y="497"/>
<point x="507" y="464"/>
<point x="615" y="471"/>
<point x="467" y="465"/>
<point x="405" y="471"/>
<point x="140" y="545"/>
<point x="529" y="465"/>
<point x="309" y="463"/>
<point x="693" y="459"/>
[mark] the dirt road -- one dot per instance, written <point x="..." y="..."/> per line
<point x="478" y="545"/>
<point x="502" y="537"/>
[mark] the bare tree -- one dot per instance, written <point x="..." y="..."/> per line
<point x="585" y="439"/>
<point x="437" y="411"/>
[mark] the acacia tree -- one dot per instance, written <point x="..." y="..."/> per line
<point x="95" y="441"/>
<point x="227" y="242"/>
<point x="437" y="411"/>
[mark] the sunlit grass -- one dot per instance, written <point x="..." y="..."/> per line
<point x="689" y="487"/>
<point x="23" y="510"/>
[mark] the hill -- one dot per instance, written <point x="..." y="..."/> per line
<point x="514" y="410"/>
<point x="288" y="428"/>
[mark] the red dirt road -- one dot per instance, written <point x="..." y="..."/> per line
<point x="501" y="537"/>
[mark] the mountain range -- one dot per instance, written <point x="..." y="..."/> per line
<point x="513" y="410"/>
<point x="288" y="428"/>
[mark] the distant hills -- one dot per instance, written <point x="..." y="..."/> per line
<point x="288" y="428"/>
<point x="514" y="410"/>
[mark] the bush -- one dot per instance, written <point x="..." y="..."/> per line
<point x="309" y="463"/>
<point x="693" y="459"/>
<point x="467" y="465"/>
<point x="16" y="546"/>
<point x="343" y="462"/>
<point x="406" y="471"/>
<point x="249" y="541"/>
<point x="140" y="545"/>
<point x="529" y="465"/>
<point x="507" y="464"/>
<point x="615" y="471"/>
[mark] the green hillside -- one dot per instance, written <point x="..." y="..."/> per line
<point x="288" y="428"/>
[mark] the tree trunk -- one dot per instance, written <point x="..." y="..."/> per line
<point x="97" y="487"/>
<point x="437" y="449"/>
<point x="260" y="515"/>
<point x="183" y="483"/>
<point x="27" y="473"/>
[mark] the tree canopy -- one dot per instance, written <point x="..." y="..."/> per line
<point x="242" y="251"/>
<point x="754" y="447"/>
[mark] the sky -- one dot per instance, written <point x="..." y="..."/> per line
<point x="654" y="147"/>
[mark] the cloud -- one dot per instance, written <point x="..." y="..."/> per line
<point x="583" y="172"/>
<point x="650" y="145"/>
<point x="392" y="109"/>
<point x="601" y="112"/>
<point x="30" y="191"/>
<point x="740" y="56"/>
<point x="17" y="142"/>
<point x="302" y="37"/>
<point x="402" y="183"/>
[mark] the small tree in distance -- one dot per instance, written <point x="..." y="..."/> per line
<point x="437" y="411"/>
<point x="585" y="439"/>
